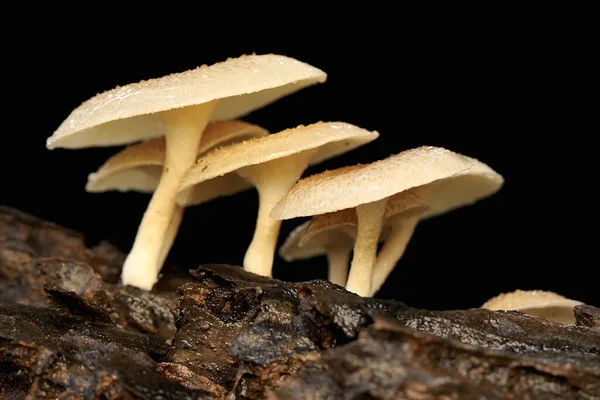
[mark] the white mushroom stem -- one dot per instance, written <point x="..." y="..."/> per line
<point x="338" y="258"/>
<point x="183" y="132"/>
<point x="171" y="234"/>
<point x="370" y="221"/>
<point x="272" y="180"/>
<point x="402" y="230"/>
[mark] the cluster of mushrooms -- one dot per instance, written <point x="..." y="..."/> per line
<point x="186" y="145"/>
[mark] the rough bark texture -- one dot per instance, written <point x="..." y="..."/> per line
<point x="69" y="330"/>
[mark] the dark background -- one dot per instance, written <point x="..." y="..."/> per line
<point x="490" y="99"/>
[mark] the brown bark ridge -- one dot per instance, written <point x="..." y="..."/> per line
<point x="68" y="329"/>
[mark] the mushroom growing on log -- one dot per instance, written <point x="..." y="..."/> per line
<point x="178" y="107"/>
<point x="139" y="166"/>
<point x="367" y="188"/>
<point x="538" y="303"/>
<point x="273" y="164"/>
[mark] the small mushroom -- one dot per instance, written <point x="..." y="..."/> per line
<point x="439" y="197"/>
<point x="179" y="107"/>
<point x="538" y="303"/>
<point x="333" y="234"/>
<point x="273" y="164"/>
<point x="138" y="168"/>
<point x="333" y="241"/>
<point x="367" y="188"/>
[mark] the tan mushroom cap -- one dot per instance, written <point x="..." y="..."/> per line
<point x="349" y="187"/>
<point x="462" y="189"/>
<point x="328" y="137"/>
<point x="139" y="166"/>
<point x="300" y="245"/>
<point x="128" y="114"/>
<point x="538" y="303"/>
<point x="407" y="203"/>
<point x="312" y="237"/>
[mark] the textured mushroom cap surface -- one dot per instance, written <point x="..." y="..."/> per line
<point x="128" y="114"/>
<point x="538" y="303"/>
<point x="462" y="189"/>
<point x="352" y="186"/>
<point x="139" y="167"/>
<point x="328" y="137"/>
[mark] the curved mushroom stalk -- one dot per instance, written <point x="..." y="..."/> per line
<point x="183" y="132"/>
<point x="338" y="258"/>
<point x="272" y="180"/>
<point x="402" y="230"/>
<point x="370" y="222"/>
<point x="170" y="235"/>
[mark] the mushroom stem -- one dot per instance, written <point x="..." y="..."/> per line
<point x="338" y="258"/>
<point x="370" y="221"/>
<point x="183" y="132"/>
<point x="393" y="249"/>
<point x="171" y="234"/>
<point x="272" y="181"/>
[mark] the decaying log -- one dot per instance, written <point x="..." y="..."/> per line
<point x="68" y="329"/>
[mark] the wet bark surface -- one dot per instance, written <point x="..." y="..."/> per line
<point x="68" y="329"/>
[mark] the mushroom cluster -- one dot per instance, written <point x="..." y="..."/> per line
<point x="185" y="145"/>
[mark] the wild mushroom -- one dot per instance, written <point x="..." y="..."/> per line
<point x="538" y="303"/>
<point x="331" y="241"/>
<point x="367" y="188"/>
<point x="440" y="196"/>
<point x="179" y="107"/>
<point x="138" y="168"/>
<point x="333" y="234"/>
<point x="273" y="164"/>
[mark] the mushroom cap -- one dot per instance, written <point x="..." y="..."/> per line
<point x="312" y="238"/>
<point x="128" y="114"/>
<point x="406" y="203"/>
<point x="462" y="189"/>
<point x="291" y="250"/>
<point x="352" y="186"/>
<point x="331" y="139"/>
<point x="537" y="303"/>
<point x="139" y="167"/>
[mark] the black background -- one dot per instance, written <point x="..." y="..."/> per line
<point x="490" y="99"/>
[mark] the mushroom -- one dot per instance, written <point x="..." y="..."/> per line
<point x="537" y="303"/>
<point x="440" y="196"/>
<point x="367" y="188"/>
<point x="273" y="164"/>
<point x="333" y="234"/>
<point x="332" y="241"/>
<point x="138" y="168"/>
<point x="178" y="107"/>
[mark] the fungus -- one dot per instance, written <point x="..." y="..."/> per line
<point x="333" y="241"/>
<point x="273" y="164"/>
<point x="367" y="188"/>
<point x="178" y="107"/>
<point x="334" y="234"/>
<point x="138" y="168"/>
<point x="440" y="196"/>
<point x="538" y="303"/>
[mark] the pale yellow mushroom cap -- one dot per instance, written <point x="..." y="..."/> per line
<point x="462" y="189"/>
<point x="138" y="167"/>
<point x="327" y="137"/>
<point x="312" y="237"/>
<point x="349" y="187"/>
<point x="129" y="113"/>
<point x="405" y="203"/>
<point x="291" y="250"/>
<point x="538" y="303"/>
